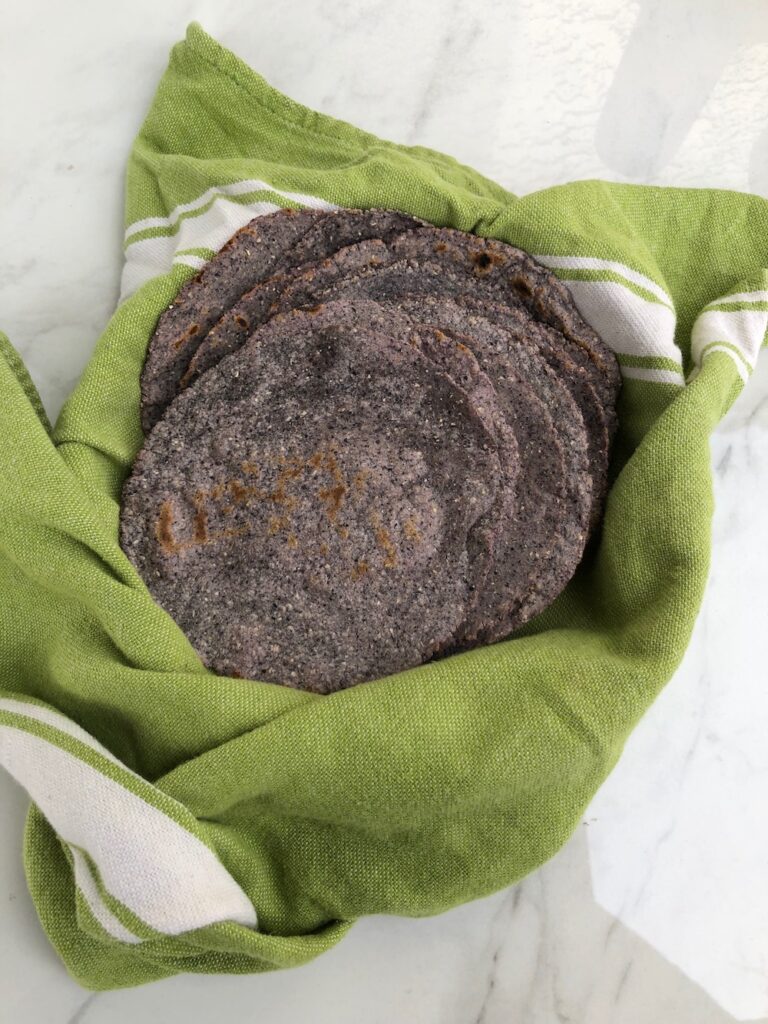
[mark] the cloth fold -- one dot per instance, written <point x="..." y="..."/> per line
<point x="185" y="822"/>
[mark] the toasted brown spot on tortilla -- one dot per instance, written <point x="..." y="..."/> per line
<point x="276" y="524"/>
<point x="521" y="286"/>
<point x="333" y="496"/>
<point x="411" y="531"/>
<point x="359" y="569"/>
<point x="164" y="528"/>
<point x="239" y="493"/>
<point x="384" y="540"/>
<point x="360" y="480"/>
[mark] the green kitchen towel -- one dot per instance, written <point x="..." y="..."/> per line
<point x="186" y="822"/>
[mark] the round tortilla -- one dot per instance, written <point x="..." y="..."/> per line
<point x="305" y="512"/>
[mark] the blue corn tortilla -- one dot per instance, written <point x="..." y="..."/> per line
<point x="305" y="512"/>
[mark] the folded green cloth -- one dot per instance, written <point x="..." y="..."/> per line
<point x="185" y="822"/>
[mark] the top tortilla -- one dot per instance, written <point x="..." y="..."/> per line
<point x="299" y="509"/>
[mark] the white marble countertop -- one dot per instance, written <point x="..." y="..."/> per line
<point x="656" y="912"/>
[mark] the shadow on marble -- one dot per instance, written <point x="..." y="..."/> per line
<point x="542" y="952"/>
<point x="758" y="167"/>
<point x="674" y="58"/>
<point x="583" y="965"/>
<point x="34" y="987"/>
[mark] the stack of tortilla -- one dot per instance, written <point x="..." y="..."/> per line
<point x="370" y="442"/>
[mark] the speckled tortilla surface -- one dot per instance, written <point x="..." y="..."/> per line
<point x="299" y="510"/>
<point x="264" y="247"/>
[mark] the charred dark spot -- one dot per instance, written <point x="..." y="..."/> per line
<point x="182" y="340"/>
<point x="522" y="287"/>
<point x="241" y="321"/>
